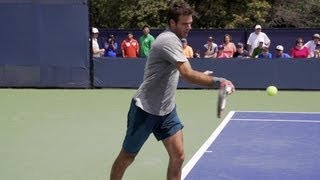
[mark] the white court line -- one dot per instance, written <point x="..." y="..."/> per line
<point x="286" y="112"/>
<point x="187" y="168"/>
<point x="279" y="120"/>
<point x="203" y="149"/>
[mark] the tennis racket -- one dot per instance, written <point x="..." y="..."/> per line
<point x="224" y="91"/>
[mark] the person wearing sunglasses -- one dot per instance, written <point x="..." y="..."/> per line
<point x="299" y="51"/>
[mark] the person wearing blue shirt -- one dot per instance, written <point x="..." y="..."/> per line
<point x="110" y="47"/>
<point x="265" y="53"/>
<point x="279" y="52"/>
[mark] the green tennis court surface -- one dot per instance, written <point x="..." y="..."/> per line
<point x="76" y="134"/>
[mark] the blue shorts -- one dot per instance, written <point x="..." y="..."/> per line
<point x="141" y="124"/>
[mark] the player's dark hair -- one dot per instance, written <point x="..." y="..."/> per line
<point x="178" y="9"/>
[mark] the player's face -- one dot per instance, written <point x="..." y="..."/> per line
<point x="182" y="27"/>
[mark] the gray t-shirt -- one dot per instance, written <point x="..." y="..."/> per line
<point x="156" y="94"/>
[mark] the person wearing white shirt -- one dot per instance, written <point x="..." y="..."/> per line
<point x="96" y="51"/>
<point x="312" y="44"/>
<point x="211" y="48"/>
<point x="256" y="37"/>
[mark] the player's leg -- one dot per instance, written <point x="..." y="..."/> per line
<point x="138" y="131"/>
<point x="174" y="146"/>
<point x="169" y="130"/>
<point x="120" y="165"/>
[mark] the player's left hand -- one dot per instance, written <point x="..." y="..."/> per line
<point x="207" y="72"/>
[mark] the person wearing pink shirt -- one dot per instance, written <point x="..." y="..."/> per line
<point x="299" y="51"/>
<point x="229" y="47"/>
<point x="220" y="53"/>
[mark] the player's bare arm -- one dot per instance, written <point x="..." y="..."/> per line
<point x="199" y="78"/>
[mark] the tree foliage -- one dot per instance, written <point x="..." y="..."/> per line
<point x="295" y="13"/>
<point x="128" y="13"/>
<point x="122" y="14"/>
<point x="230" y="13"/>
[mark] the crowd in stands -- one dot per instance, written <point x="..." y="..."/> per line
<point x="257" y="46"/>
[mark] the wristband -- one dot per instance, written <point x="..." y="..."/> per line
<point x="218" y="79"/>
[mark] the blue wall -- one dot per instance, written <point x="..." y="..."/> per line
<point x="245" y="73"/>
<point x="44" y="44"/>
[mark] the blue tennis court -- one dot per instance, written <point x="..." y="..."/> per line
<point x="260" y="145"/>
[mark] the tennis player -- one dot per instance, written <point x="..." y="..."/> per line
<point x="152" y="108"/>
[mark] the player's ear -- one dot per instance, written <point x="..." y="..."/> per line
<point x="172" y="23"/>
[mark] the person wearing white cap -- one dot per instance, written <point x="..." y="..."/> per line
<point x="311" y="45"/>
<point x="96" y="51"/>
<point x="256" y="37"/>
<point x="279" y="52"/>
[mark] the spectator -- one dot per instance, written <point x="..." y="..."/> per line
<point x="279" y="52"/>
<point x="311" y="45"/>
<point x="145" y="42"/>
<point x="110" y="47"/>
<point x="317" y="52"/>
<point x="255" y="38"/>
<point x="211" y="48"/>
<point x="241" y="52"/>
<point x="299" y="51"/>
<point x="258" y="49"/>
<point x="229" y="47"/>
<point x="197" y="54"/>
<point x="220" y="53"/>
<point x="96" y="51"/>
<point x="265" y="53"/>
<point x="187" y="50"/>
<point x="130" y="47"/>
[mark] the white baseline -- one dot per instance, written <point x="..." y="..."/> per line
<point x="279" y="120"/>
<point x="187" y="168"/>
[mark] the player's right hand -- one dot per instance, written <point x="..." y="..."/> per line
<point x="227" y="83"/>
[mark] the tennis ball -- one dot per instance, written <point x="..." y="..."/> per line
<point x="272" y="91"/>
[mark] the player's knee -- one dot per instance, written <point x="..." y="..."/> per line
<point x="128" y="157"/>
<point x="178" y="157"/>
<point x="182" y="157"/>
